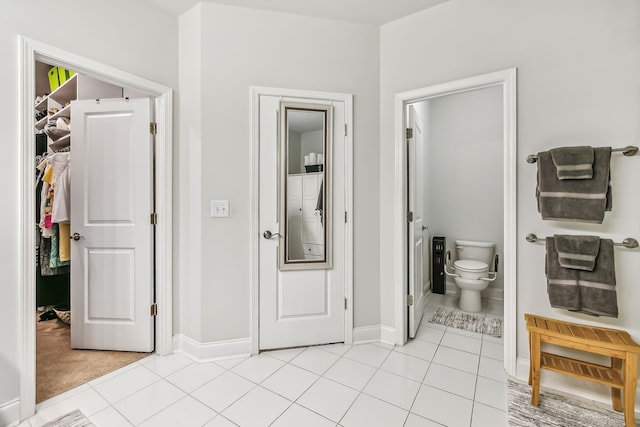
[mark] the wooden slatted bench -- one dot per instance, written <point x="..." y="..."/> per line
<point x="617" y="344"/>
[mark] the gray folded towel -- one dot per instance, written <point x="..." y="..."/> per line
<point x="573" y="162"/>
<point x="598" y="287"/>
<point x="584" y="200"/>
<point x="562" y="283"/>
<point x="577" y="252"/>
<point x="589" y="292"/>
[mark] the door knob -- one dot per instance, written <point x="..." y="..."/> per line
<point x="76" y="236"/>
<point x="268" y="234"/>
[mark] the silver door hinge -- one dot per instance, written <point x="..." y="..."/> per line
<point x="345" y="303"/>
<point x="154" y="218"/>
<point x="154" y="309"/>
<point x="345" y="129"/>
<point x="409" y="299"/>
<point x="409" y="133"/>
<point x="409" y="216"/>
<point x="153" y="128"/>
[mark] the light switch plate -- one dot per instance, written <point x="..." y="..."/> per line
<point x="219" y="208"/>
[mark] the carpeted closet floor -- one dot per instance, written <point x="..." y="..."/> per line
<point x="59" y="368"/>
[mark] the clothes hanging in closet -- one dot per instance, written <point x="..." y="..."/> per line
<point x="55" y="213"/>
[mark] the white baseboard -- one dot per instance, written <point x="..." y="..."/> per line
<point x="377" y="333"/>
<point x="10" y="413"/>
<point x="366" y="334"/>
<point x="203" y="352"/>
<point x="490" y="293"/>
<point x="388" y="335"/>
<point x="493" y="293"/>
<point x="570" y="385"/>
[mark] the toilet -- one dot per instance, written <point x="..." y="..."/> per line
<point x="471" y="271"/>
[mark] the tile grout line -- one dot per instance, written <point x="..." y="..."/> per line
<point x="360" y="392"/>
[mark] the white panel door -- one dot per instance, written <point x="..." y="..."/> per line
<point x="299" y="308"/>
<point x="417" y="228"/>
<point x="111" y="193"/>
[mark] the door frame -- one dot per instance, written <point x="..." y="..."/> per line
<point x="256" y="93"/>
<point x="507" y="80"/>
<point x="30" y="51"/>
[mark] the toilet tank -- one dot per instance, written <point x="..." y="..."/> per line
<point x="480" y="251"/>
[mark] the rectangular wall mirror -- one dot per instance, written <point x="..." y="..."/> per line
<point x="305" y="146"/>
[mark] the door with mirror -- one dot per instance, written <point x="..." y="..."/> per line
<point x="302" y="182"/>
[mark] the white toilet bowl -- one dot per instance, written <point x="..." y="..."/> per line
<point x="471" y="272"/>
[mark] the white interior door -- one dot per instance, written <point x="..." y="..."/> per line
<point x="111" y="193"/>
<point x="305" y="307"/>
<point x="417" y="228"/>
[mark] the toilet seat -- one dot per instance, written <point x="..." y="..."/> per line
<point x="470" y="266"/>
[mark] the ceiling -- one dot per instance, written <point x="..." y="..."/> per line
<point x="372" y="12"/>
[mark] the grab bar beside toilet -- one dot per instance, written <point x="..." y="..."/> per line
<point x="495" y="271"/>
<point x="447" y="263"/>
<point x="487" y="279"/>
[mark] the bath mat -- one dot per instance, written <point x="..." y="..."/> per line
<point x="556" y="410"/>
<point x="72" y="419"/>
<point x="468" y="322"/>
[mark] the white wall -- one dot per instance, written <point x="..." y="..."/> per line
<point x="578" y="65"/>
<point x="189" y="211"/>
<point x="238" y="48"/>
<point x="296" y="159"/>
<point x="312" y="142"/>
<point x="464" y="170"/>
<point x="121" y="34"/>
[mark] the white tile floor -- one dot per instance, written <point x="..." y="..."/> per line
<point x="445" y="376"/>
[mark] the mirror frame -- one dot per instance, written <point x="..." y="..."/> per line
<point x="283" y="169"/>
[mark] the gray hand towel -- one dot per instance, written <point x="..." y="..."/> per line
<point x="598" y="287"/>
<point x="573" y="162"/>
<point x="577" y="252"/>
<point x="562" y="283"/>
<point x="589" y="292"/>
<point x="584" y="200"/>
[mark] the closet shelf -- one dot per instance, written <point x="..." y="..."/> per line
<point x="63" y="142"/>
<point x="40" y="123"/>
<point x="66" y="92"/>
<point x="42" y="105"/>
<point x="65" y="112"/>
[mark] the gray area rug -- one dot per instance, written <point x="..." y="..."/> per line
<point x="556" y="410"/>
<point x="469" y="322"/>
<point x="72" y="419"/>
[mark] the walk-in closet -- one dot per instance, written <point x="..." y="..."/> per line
<point x="59" y="367"/>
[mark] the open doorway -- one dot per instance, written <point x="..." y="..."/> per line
<point x="100" y="264"/>
<point x="414" y="267"/>
<point x="86" y="148"/>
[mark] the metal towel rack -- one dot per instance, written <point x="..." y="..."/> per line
<point x="630" y="150"/>
<point x="629" y="242"/>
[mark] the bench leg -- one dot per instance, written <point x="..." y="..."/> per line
<point x="530" y="361"/>
<point x="630" y="382"/>
<point x="616" y="365"/>
<point x="535" y="368"/>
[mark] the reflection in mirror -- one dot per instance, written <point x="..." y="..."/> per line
<point x="305" y="185"/>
